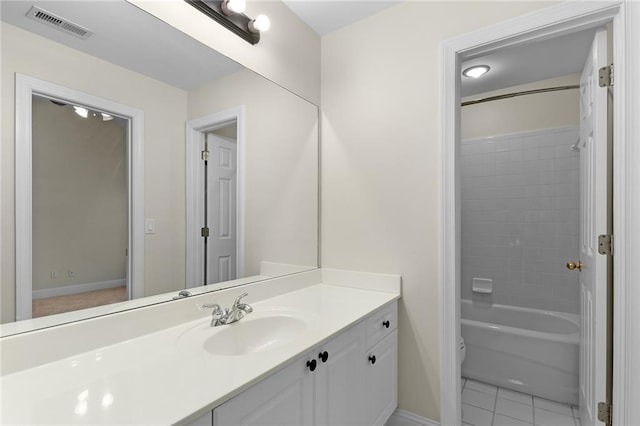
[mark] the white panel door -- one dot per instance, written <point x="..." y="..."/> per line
<point x="222" y="182"/>
<point x="339" y="379"/>
<point x="593" y="222"/>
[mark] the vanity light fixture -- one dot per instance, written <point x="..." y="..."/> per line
<point x="230" y="14"/>
<point x="82" y="112"/>
<point x="260" y="24"/>
<point x="229" y="7"/>
<point x="106" y="117"/>
<point x="476" y="71"/>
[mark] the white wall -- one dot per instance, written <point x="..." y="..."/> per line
<point x="165" y="115"/>
<point x="380" y="165"/>
<point x="79" y="197"/>
<point x="288" y="54"/>
<point x="281" y="140"/>
<point x="543" y="110"/>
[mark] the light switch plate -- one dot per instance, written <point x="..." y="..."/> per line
<point x="149" y="226"/>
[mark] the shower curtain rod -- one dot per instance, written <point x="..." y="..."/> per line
<point x="514" y="94"/>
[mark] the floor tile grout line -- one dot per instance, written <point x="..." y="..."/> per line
<point x="533" y="408"/>
<point x="517" y="402"/>
<point x="495" y="402"/>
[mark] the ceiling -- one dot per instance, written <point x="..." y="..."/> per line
<point x="509" y="67"/>
<point x="325" y="16"/>
<point x="127" y="36"/>
<point x="528" y="63"/>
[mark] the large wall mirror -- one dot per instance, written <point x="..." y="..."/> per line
<point x="137" y="163"/>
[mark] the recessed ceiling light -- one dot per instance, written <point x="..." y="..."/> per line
<point x="476" y="71"/>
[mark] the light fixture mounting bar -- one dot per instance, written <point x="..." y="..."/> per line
<point x="237" y="23"/>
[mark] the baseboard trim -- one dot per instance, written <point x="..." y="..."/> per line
<point x="407" y="418"/>
<point x="77" y="288"/>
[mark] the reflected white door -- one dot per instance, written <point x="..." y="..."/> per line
<point x="221" y="209"/>
<point x="593" y="222"/>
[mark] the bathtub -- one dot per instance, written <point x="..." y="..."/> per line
<point x="522" y="349"/>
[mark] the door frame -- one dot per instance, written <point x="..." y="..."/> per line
<point x="195" y="129"/>
<point x="26" y="87"/>
<point x="551" y="22"/>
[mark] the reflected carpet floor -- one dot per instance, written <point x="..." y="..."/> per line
<point x="74" y="302"/>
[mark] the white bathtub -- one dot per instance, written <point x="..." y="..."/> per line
<point x="522" y="349"/>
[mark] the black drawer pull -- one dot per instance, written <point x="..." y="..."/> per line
<point x="372" y="359"/>
<point x="312" y="364"/>
<point x="386" y="324"/>
<point x="324" y="356"/>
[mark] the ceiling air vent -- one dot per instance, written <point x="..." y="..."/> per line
<point x="57" y="22"/>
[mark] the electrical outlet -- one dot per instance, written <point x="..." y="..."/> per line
<point x="71" y="273"/>
<point x="53" y="275"/>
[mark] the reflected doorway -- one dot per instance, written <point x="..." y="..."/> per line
<point x="80" y="204"/>
<point x="66" y="198"/>
<point x="215" y="198"/>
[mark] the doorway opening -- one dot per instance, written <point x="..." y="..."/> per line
<point x="552" y="22"/>
<point x="79" y="200"/>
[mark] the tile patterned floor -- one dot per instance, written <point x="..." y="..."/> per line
<point x="488" y="405"/>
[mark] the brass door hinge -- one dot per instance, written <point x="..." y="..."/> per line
<point x="204" y="232"/>
<point x="605" y="244"/>
<point x="205" y="155"/>
<point x="604" y="412"/>
<point x="606" y="76"/>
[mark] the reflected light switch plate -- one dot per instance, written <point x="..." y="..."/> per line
<point x="149" y="226"/>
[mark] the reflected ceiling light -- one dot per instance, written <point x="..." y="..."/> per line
<point x="107" y="399"/>
<point x="106" y="117"/>
<point x="260" y="24"/>
<point x="476" y="71"/>
<point x="229" y="7"/>
<point x="229" y="14"/>
<point x="82" y="112"/>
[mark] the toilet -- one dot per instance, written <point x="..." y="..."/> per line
<point x="463" y="350"/>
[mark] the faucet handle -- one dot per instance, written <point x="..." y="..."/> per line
<point x="213" y="306"/>
<point x="237" y="301"/>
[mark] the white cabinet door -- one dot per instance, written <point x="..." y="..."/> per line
<point x="283" y="399"/>
<point x="381" y="381"/>
<point x="339" y="379"/>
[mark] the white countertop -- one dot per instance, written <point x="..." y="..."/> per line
<point x="161" y="378"/>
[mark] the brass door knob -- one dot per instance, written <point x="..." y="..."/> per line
<point x="574" y="265"/>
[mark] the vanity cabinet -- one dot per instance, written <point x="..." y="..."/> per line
<point x="338" y="383"/>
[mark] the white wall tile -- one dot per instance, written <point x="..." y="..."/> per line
<point x="520" y="212"/>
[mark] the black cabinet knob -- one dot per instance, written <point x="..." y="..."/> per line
<point x="324" y="356"/>
<point x="372" y="359"/>
<point x="386" y="324"/>
<point x="312" y="365"/>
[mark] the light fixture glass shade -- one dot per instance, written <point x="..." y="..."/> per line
<point x="234" y="6"/>
<point x="262" y="23"/>
<point x="476" y="71"/>
<point x="106" y="117"/>
<point x="82" y="112"/>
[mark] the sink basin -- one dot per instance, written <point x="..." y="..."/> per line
<point x="256" y="332"/>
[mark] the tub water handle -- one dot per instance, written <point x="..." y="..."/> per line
<point x="574" y="265"/>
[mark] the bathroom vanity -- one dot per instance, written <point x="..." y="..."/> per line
<point x="320" y="347"/>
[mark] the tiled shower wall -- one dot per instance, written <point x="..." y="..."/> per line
<point x="520" y="218"/>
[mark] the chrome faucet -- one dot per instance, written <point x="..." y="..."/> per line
<point x="225" y="316"/>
